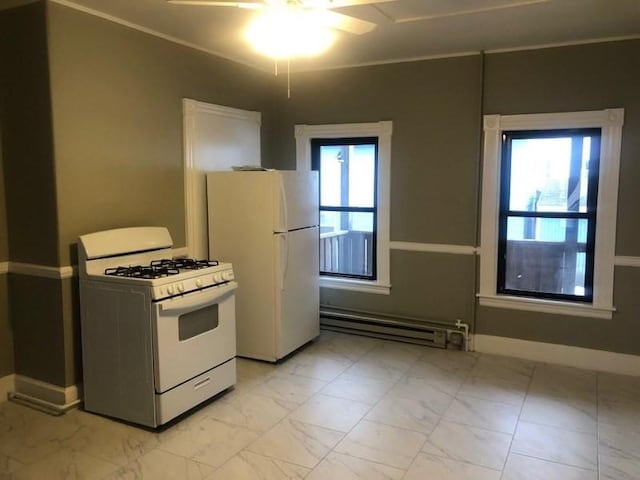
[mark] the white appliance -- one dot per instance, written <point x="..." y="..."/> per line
<point x="266" y="224"/>
<point x="158" y="335"/>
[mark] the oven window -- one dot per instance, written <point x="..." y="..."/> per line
<point x="193" y="324"/>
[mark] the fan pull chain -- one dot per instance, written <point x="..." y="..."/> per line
<point x="288" y="77"/>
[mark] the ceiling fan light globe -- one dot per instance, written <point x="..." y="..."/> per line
<point x="289" y="33"/>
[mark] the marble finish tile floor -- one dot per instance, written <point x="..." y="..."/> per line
<point x="356" y="408"/>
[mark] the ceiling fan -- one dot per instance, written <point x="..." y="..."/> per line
<point x="329" y="18"/>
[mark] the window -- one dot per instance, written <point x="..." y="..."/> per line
<point x="354" y="163"/>
<point x="547" y="222"/>
<point x="348" y="205"/>
<point x="549" y="203"/>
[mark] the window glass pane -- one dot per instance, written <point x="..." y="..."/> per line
<point x="550" y="174"/>
<point x="546" y="255"/>
<point x="331" y="159"/>
<point x="347" y="175"/>
<point x="361" y="175"/>
<point x="346" y="243"/>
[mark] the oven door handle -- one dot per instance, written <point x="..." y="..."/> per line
<point x="197" y="301"/>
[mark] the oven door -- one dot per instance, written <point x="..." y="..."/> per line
<point x="193" y="333"/>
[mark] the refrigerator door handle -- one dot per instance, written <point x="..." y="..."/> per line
<point x="284" y="259"/>
<point x="283" y="208"/>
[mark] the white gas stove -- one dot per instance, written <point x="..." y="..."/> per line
<point x="158" y="334"/>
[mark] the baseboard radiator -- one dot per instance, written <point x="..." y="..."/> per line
<point x="405" y="329"/>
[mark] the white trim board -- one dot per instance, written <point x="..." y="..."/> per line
<point x="60" y="273"/>
<point x="7" y="384"/>
<point x="216" y="137"/>
<point x="622" y="261"/>
<point x="47" y="394"/>
<point x="610" y="122"/>
<point x="433" y="248"/>
<point x="383" y="130"/>
<point x="586" y="358"/>
<point x="45" y="271"/>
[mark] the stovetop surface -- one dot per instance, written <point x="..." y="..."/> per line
<point x="160" y="268"/>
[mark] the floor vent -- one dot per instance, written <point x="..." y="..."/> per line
<point x="400" y="329"/>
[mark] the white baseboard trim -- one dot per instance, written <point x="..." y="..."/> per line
<point x="586" y="358"/>
<point x="7" y="384"/>
<point x="43" y="393"/>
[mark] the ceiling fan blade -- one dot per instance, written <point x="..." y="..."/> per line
<point x="345" y="23"/>
<point x="208" y="3"/>
<point x="340" y="3"/>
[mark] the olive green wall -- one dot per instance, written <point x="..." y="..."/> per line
<point x="4" y="240"/>
<point x="618" y="335"/>
<point x="432" y="286"/>
<point x="117" y="109"/>
<point x="92" y="139"/>
<point x="32" y="213"/>
<point x="587" y="77"/>
<point x="103" y="149"/>
<point x="117" y="114"/>
<point x="435" y="109"/>
<point x="29" y="227"/>
<point x="38" y="326"/>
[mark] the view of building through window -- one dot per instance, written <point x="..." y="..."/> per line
<point x="547" y="213"/>
<point x="347" y="205"/>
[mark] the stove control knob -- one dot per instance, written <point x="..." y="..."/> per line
<point x="199" y="282"/>
<point x="217" y="277"/>
<point x="170" y="290"/>
<point x="181" y="287"/>
<point x="227" y="275"/>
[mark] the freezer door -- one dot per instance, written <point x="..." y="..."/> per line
<point x="297" y="199"/>
<point x="298" y="290"/>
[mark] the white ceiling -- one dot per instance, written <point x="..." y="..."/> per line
<point x="407" y="29"/>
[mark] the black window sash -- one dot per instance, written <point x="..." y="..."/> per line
<point x="316" y="144"/>
<point x="590" y="215"/>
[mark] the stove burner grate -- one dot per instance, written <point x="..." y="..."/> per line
<point x="186" y="263"/>
<point x="160" y="268"/>
<point x="147" y="272"/>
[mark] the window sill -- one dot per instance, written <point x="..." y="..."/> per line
<point x="355" y="285"/>
<point x="545" y="306"/>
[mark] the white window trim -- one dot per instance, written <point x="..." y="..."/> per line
<point x="382" y="130"/>
<point x="610" y="121"/>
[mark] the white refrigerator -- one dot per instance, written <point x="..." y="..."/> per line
<point x="266" y="224"/>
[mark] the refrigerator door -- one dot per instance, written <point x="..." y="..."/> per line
<point x="297" y="289"/>
<point x="296" y="195"/>
<point x="241" y="232"/>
